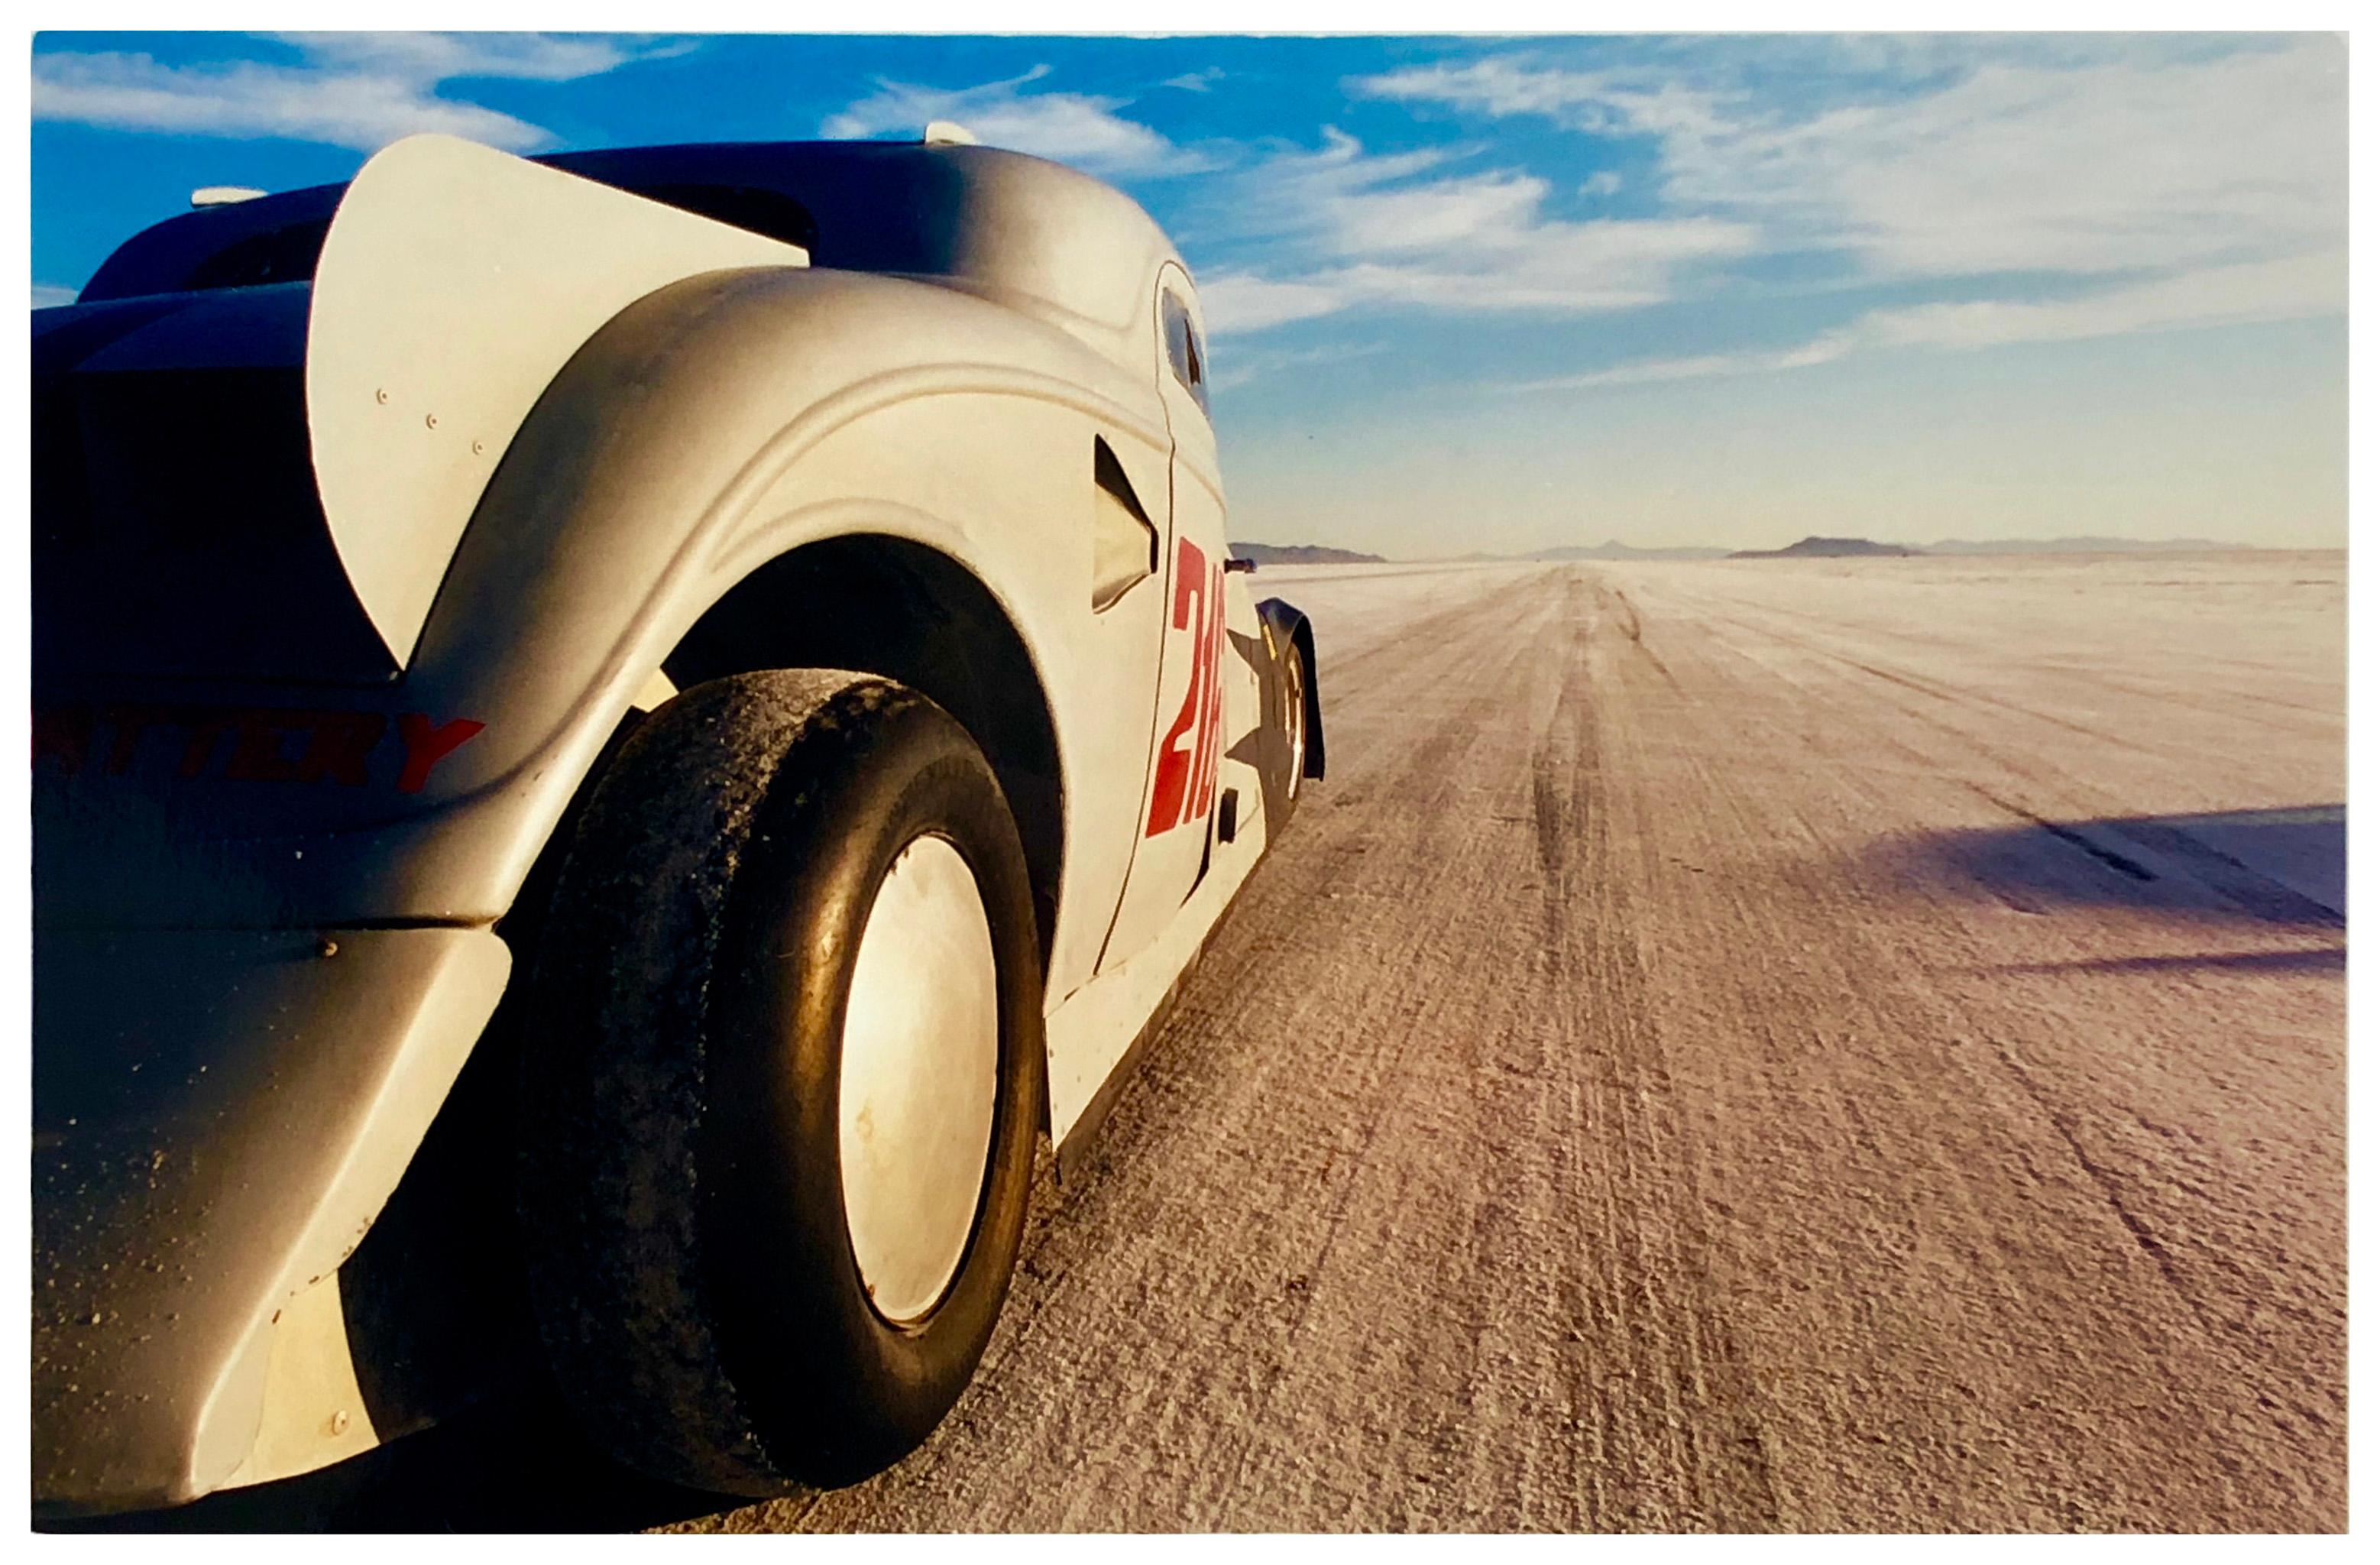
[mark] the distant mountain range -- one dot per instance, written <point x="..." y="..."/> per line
<point x="1815" y="548"/>
<point x="1615" y="550"/>
<point x="1610" y="549"/>
<point x="1809" y="548"/>
<point x="1303" y="555"/>
<point x="2080" y="546"/>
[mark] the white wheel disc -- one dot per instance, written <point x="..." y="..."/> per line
<point x="920" y="1079"/>
<point x="1293" y="686"/>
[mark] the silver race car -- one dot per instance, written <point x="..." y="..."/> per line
<point x="617" y="737"/>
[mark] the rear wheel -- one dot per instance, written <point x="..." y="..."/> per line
<point x="784" y="1082"/>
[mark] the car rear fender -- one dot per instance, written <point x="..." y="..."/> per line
<point x="727" y="422"/>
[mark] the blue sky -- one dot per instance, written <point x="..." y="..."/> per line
<point x="1493" y="295"/>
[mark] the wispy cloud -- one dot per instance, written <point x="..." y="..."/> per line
<point x="1239" y="368"/>
<point x="1356" y="228"/>
<point x="48" y="294"/>
<point x="2290" y="288"/>
<point x="2196" y="187"/>
<point x="1072" y="128"/>
<point x="1196" y="80"/>
<point x="1242" y="301"/>
<point x="1695" y="366"/>
<point x="454" y="56"/>
<point x="353" y="89"/>
<point x="2219" y="295"/>
<point x="2106" y="166"/>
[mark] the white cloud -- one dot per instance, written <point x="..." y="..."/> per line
<point x="48" y="294"/>
<point x="136" y="92"/>
<point x="2103" y="165"/>
<point x="2178" y="186"/>
<point x="1605" y="182"/>
<point x="1607" y="101"/>
<point x="1354" y="229"/>
<point x="2102" y="169"/>
<point x="1821" y="350"/>
<point x="1069" y="127"/>
<point x="1433" y="217"/>
<point x="431" y="57"/>
<point x="361" y="90"/>
<point x="1241" y="301"/>
<point x="1196" y="80"/>
<point x="2290" y="289"/>
<point x="1239" y="368"/>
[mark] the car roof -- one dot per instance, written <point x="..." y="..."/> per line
<point x="1000" y="221"/>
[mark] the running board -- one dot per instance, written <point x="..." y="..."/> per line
<point x="1097" y="1037"/>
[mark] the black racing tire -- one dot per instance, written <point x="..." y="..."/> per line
<point x="688" y="1258"/>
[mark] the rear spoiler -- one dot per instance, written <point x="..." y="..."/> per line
<point x="454" y="282"/>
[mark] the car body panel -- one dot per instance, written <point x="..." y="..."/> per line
<point x="235" y="1106"/>
<point x="1172" y="849"/>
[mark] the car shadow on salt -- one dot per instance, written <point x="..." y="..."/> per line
<point x="2282" y="868"/>
<point x="2318" y="959"/>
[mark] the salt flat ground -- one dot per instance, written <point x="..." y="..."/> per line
<point x="1733" y="1044"/>
<point x="1740" y="1044"/>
